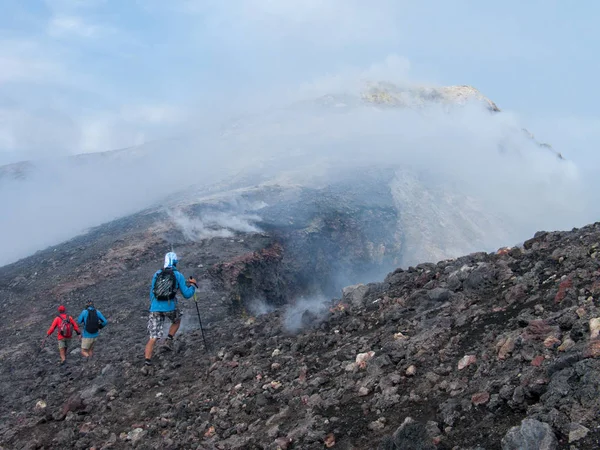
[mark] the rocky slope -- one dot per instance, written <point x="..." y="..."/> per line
<point x="488" y="351"/>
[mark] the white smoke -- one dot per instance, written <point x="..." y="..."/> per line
<point x="294" y="317"/>
<point x="259" y="307"/>
<point x="213" y="225"/>
<point x="485" y="156"/>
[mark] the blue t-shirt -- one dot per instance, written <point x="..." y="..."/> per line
<point x="83" y="319"/>
<point x="170" y="305"/>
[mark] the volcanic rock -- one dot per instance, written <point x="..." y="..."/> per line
<point x="344" y="381"/>
<point x="530" y="435"/>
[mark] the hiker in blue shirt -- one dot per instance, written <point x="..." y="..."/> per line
<point x="93" y="321"/>
<point x="163" y="303"/>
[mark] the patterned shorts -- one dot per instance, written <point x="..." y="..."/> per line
<point x="156" y="322"/>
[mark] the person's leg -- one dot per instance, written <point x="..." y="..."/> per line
<point x="149" y="348"/>
<point x="156" y="322"/>
<point x="173" y="328"/>
<point x="175" y="318"/>
<point x="63" y="346"/>
<point x="85" y="347"/>
<point x="63" y="353"/>
<point x="67" y="345"/>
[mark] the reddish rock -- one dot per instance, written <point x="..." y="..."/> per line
<point x="551" y="342"/>
<point x="595" y="290"/>
<point x="73" y="404"/>
<point x="537" y="361"/>
<point x="466" y="361"/>
<point x="515" y="293"/>
<point x="562" y="290"/>
<point x="481" y="398"/>
<point x="593" y="349"/>
<point x="329" y="440"/>
<point x="539" y="330"/>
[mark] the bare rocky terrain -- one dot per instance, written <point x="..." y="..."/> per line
<point x="452" y="355"/>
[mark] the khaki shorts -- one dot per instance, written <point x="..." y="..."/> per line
<point x="88" y="343"/>
<point x="64" y="343"/>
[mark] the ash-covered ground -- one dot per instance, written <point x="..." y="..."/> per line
<point x="451" y="355"/>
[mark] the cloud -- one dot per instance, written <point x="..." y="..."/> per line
<point x="330" y="23"/>
<point x="24" y="60"/>
<point x="152" y="114"/>
<point x="483" y="156"/>
<point x="267" y="88"/>
<point x="65" y="25"/>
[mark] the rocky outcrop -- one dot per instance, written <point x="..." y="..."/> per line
<point x="392" y="95"/>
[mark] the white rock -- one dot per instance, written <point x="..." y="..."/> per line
<point x="594" y="327"/>
<point x="577" y="432"/>
<point x="135" y="435"/>
<point x="466" y="361"/>
<point x="350" y="367"/>
<point x="362" y="358"/>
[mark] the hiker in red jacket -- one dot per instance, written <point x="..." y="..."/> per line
<point x="66" y="325"/>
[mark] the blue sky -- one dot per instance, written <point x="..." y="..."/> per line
<point x="81" y="76"/>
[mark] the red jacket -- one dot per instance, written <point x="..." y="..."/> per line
<point x="57" y="322"/>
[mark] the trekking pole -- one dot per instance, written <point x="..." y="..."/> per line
<point x="200" y="321"/>
<point x="41" y="347"/>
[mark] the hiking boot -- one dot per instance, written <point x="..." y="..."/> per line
<point x="168" y="345"/>
<point x="147" y="362"/>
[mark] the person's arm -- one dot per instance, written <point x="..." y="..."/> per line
<point x="53" y="326"/>
<point x="102" y="318"/>
<point x="81" y="318"/>
<point x="186" y="291"/>
<point x="75" y="327"/>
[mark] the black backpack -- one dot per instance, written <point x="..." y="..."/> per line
<point x="92" y="324"/>
<point x="165" y="285"/>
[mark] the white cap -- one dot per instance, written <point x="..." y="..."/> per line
<point x="170" y="259"/>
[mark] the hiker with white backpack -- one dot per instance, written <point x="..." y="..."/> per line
<point x="65" y="325"/>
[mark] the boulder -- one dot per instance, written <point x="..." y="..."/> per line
<point x="355" y="294"/>
<point x="530" y="435"/>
